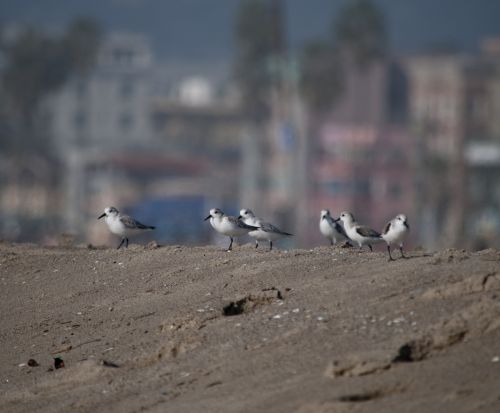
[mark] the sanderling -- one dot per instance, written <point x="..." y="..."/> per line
<point x="394" y="232"/>
<point x="330" y="228"/>
<point x="359" y="233"/>
<point x="123" y="225"/>
<point x="266" y="231"/>
<point x="228" y="225"/>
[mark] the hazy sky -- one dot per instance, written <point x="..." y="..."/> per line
<point x="202" y="29"/>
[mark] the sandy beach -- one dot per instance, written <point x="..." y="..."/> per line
<point x="198" y="329"/>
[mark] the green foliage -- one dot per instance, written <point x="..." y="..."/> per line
<point x="360" y="31"/>
<point x="321" y="75"/>
<point x="36" y="65"/>
<point x="255" y="52"/>
<point x="358" y="35"/>
<point x="81" y="42"/>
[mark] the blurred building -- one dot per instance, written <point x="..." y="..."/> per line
<point x="98" y="115"/>
<point x="362" y="159"/>
<point x="203" y="128"/>
<point x="125" y="139"/>
<point x="109" y="107"/>
<point x="29" y="199"/>
<point x="160" y="189"/>
<point x="454" y="100"/>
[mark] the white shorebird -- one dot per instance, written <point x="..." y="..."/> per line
<point x="330" y="228"/>
<point x="360" y="234"/>
<point x="394" y="232"/>
<point x="123" y="225"/>
<point x="228" y="225"/>
<point x="265" y="231"/>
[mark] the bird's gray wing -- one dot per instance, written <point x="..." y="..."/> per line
<point x="387" y="228"/>
<point x="340" y="229"/>
<point x="336" y="225"/>
<point x="367" y="232"/>
<point x="131" y="223"/>
<point x="240" y="224"/>
<point x="267" y="227"/>
<point x="330" y="220"/>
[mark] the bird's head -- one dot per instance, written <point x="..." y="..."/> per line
<point x="109" y="211"/>
<point x="346" y="217"/>
<point x="324" y="213"/>
<point x="403" y="220"/>
<point x="246" y="213"/>
<point x="214" y="213"/>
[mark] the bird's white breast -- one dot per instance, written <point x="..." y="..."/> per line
<point x="395" y="233"/>
<point x="353" y="234"/>
<point x="326" y="228"/>
<point x="115" y="225"/>
<point x="226" y="227"/>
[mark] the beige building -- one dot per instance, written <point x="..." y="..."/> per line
<point x="454" y="105"/>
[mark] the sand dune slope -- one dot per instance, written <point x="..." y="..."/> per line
<point x="182" y="329"/>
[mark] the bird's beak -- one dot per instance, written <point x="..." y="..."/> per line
<point x="102" y="216"/>
<point x="336" y="220"/>
<point x="406" y="225"/>
<point x="210" y="216"/>
<point x="239" y="217"/>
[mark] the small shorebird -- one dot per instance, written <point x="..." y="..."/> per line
<point x="330" y="228"/>
<point x="123" y="225"/>
<point x="360" y="234"/>
<point x="394" y="232"/>
<point x="228" y="225"/>
<point x="265" y="231"/>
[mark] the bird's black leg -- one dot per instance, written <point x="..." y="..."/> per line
<point x="230" y="244"/>
<point x="331" y="241"/>
<point x="121" y="243"/>
<point x="270" y="245"/>
<point x="401" y="249"/>
<point x="389" y="251"/>
<point x="256" y="243"/>
<point x="371" y="249"/>
<point x="126" y="242"/>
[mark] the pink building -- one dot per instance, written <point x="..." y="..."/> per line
<point x="363" y="157"/>
<point x="365" y="170"/>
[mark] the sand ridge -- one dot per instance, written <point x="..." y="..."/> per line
<point x="189" y="329"/>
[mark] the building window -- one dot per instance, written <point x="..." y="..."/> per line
<point x="126" y="88"/>
<point x="80" y="89"/>
<point x="123" y="56"/>
<point x="80" y="120"/>
<point x="125" y="122"/>
<point x="478" y="108"/>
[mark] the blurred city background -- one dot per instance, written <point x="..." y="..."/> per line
<point x="165" y="109"/>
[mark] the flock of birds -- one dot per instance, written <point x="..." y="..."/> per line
<point x="345" y="228"/>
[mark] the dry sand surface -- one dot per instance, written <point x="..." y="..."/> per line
<point x="183" y="329"/>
